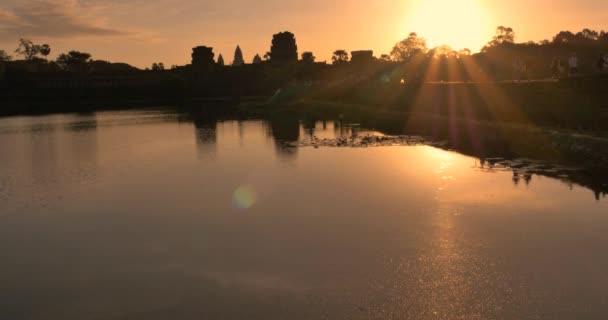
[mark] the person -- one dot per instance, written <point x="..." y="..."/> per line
<point x="601" y="62"/>
<point x="556" y="67"/>
<point x="523" y="69"/>
<point x="517" y="69"/>
<point x="562" y="67"/>
<point x="573" y="64"/>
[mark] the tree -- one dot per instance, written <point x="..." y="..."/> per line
<point x="257" y="59"/>
<point x="464" y="52"/>
<point x="284" y="48"/>
<point x="220" y="60"/>
<point x="27" y="49"/>
<point x="74" y="61"/>
<point x="158" y="66"/>
<point x="339" y="57"/>
<point x="4" y="57"/>
<point x="503" y="35"/>
<point x="238" y="57"/>
<point x="442" y="51"/>
<point x="588" y="34"/>
<point x="44" y="50"/>
<point x="267" y="56"/>
<point x="405" y="49"/>
<point x="564" y="36"/>
<point x="308" y="57"/>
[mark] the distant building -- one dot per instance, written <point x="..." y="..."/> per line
<point x="202" y="56"/>
<point x="362" y="56"/>
<point x="257" y="59"/>
<point x="238" y="57"/>
<point x="284" y="48"/>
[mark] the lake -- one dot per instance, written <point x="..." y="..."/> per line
<point x="160" y="215"/>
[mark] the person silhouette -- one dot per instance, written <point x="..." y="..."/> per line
<point x="573" y="64"/>
<point x="600" y="63"/>
<point x="517" y="69"/>
<point x="556" y="67"/>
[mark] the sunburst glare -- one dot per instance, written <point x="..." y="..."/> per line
<point x="459" y="24"/>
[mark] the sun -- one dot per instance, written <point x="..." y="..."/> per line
<point x="457" y="23"/>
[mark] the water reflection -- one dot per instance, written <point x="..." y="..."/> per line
<point x="205" y="129"/>
<point x="285" y="131"/>
<point x="82" y="136"/>
<point x="43" y="151"/>
<point x="288" y="133"/>
<point x="525" y="172"/>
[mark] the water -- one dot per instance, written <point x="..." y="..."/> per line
<point x="153" y="215"/>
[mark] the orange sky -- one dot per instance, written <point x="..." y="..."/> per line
<point x="140" y="32"/>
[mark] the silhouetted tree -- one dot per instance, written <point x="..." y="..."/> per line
<point x="464" y="52"/>
<point x="588" y="34"/>
<point x="542" y="59"/>
<point x="27" y="49"/>
<point x="257" y="59"/>
<point x="220" y="60"/>
<point x="503" y="35"/>
<point x="267" y="56"/>
<point x="4" y="57"/>
<point x="45" y="50"/>
<point x="339" y="56"/>
<point x="308" y="57"/>
<point x="238" y="57"/>
<point x="407" y="48"/>
<point x="74" y="61"/>
<point x="564" y="36"/>
<point x="443" y="50"/>
<point x="158" y="66"/>
<point x="284" y="48"/>
<point x="385" y="58"/>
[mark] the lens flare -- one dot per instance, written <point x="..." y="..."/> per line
<point x="244" y="197"/>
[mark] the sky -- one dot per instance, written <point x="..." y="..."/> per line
<point x="140" y="32"/>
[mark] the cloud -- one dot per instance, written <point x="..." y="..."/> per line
<point x="54" y="18"/>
